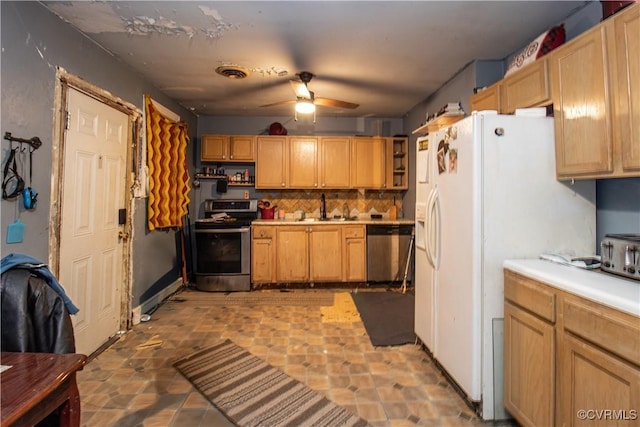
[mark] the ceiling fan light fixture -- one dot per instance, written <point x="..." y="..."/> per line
<point x="305" y="106"/>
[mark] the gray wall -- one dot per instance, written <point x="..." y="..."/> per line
<point x="34" y="43"/>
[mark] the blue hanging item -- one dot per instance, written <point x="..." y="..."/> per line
<point x="15" y="232"/>
<point x="29" y="198"/>
<point x="29" y="195"/>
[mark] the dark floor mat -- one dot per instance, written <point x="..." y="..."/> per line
<point x="387" y="316"/>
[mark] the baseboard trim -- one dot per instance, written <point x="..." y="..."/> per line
<point x="158" y="298"/>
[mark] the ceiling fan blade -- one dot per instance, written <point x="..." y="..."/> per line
<point x="326" y="102"/>
<point x="278" y="103"/>
<point x="300" y="89"/>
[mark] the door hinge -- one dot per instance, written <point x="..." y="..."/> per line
<point x="67" y="120"/>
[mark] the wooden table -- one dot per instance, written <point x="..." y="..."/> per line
<point x="37" y="384"/>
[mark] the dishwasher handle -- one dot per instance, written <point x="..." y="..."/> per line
<point x="389" y="229"/>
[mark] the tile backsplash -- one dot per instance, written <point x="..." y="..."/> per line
<point x="359" y="202"/>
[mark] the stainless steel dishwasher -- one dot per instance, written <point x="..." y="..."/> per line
<point x="387" y="252"/>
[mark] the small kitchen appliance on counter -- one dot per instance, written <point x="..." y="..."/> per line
<point x="620" y="254"/>
<point x="223" y="245"/>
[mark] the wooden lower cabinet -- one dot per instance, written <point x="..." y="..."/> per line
<point x="568" y="361"/>
<point x="292" y="254"/>
<point x="308" y="253"/>
<point x="355" y="254"/>
<point x="325" y="253"/>
<point x="263" y="254"/>
<point x="529" y="368"/>
<point x="596" y="381"/>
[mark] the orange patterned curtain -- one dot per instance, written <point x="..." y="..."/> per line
<point x="168" y="174"/>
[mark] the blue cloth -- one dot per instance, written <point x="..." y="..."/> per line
<point x="39" y="268"/>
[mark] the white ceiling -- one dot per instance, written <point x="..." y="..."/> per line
<point x="386" y="56"/>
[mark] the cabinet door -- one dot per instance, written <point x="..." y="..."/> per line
<point x="488" y="99"/>
<point x="242" y="148"/>
<point x="529" y="375"/>
<point x="627" y="93"/>
<point x="292" y="249"/>
<point x="325" y="253"/>
<point x="303" y="162"/>
<point x="528" y="87"/>
<point x="213" y="148"/>
<point x="581" y="105"/>
<point x="355" y="254"/>
<point x="263" y="255"/>
<point x="271" y="162"/>
<point x="334" y="162"/>
<point x="368" y="169"/>
<point x="595" y="381"/>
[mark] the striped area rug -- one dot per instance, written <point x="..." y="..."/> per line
<point x="250" y="392"/>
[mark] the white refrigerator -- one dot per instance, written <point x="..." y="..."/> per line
<point x="486" y="192"/>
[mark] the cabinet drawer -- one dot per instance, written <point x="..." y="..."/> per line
<point x="530" y="295"/>
<point x="610" y="329"/>
<point x="354" y="232"/>
<point x="265" y="232"/>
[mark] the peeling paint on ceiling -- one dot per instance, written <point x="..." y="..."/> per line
<point x="387" y="56"/>
<point x="143" y="25"/>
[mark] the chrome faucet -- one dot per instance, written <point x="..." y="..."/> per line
<point x="323" y="207"/>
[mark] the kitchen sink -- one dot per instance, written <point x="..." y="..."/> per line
<point x="327" y="219"/>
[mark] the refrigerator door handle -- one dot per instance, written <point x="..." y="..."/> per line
<point x="437" y="228"/>
<point x="430" y="228"/>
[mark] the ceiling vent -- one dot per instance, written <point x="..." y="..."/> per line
<point x="232" y="72"/>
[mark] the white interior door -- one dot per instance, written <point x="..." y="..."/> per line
<point x="91" y="252"/>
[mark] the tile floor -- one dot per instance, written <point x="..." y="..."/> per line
<point x="133" y="383"/>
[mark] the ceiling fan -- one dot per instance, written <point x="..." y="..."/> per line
<point x="306" y="100"/>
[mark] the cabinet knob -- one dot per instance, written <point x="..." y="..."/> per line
<point x="282" y="184"/>
<point x="315" y="184"/>
<point x="262" y="234"/>
<point x="231" y="156"/>
<point x="323" y="184"/>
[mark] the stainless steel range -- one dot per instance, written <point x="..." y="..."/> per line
<point x="621" y="255"/>
<point x="223" y="245"/>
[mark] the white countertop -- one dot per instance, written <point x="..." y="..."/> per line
<point x="610" y="290"/>
<point x="383" y="221"/>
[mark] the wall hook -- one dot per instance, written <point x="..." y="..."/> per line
<point x="33" y="142"/>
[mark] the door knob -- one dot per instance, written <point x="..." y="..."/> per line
<point x="123" y="235"/>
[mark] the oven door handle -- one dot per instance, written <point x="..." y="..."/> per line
<point x="222" y="230"/>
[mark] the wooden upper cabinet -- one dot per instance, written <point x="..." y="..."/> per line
<point x="271" y="162"/>
<point x="487" y="99"/>
<point x="303" y="161"/>
<point x="525" y="88"/>
<point x="626" y="77"/>
<point x="581" y="106"/>
<point x="334" y="162"/>
<point x="242" y="148"/>
<point x="227" y="148"/>
<point x="368" y="168"/>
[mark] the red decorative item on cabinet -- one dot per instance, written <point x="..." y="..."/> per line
<point x="611" y="7"/>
